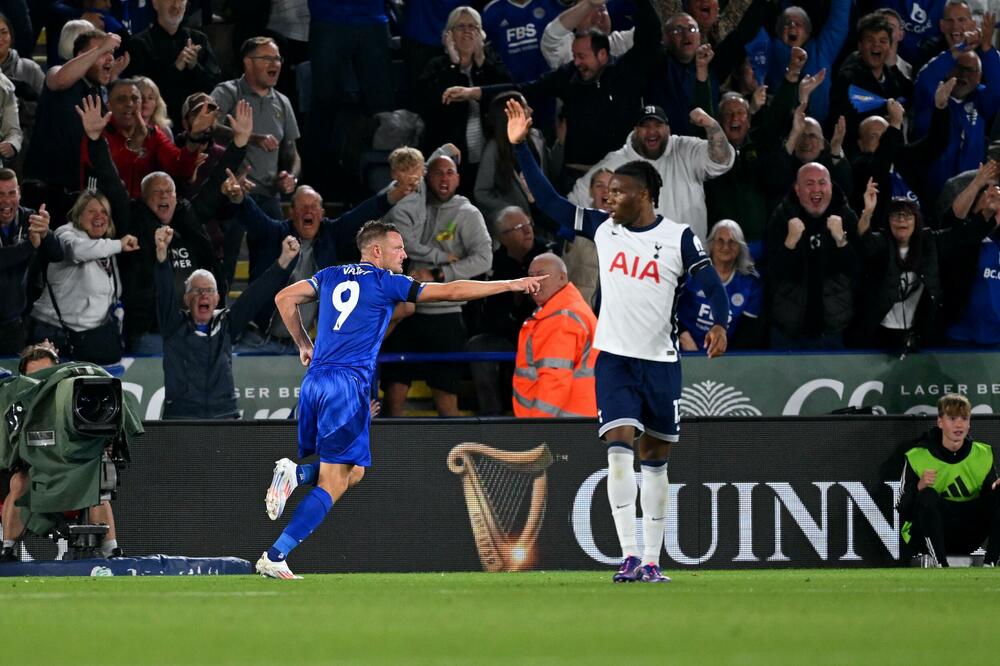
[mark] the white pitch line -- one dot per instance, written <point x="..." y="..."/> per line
<point x="133" y="594"/>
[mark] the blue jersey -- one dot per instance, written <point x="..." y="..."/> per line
<point x="355" y="304"/>
<point x="921" y="24"/>
<point x="980" y="323"/>
<point x="695" y="313"/>
<point x="515" y="33"/>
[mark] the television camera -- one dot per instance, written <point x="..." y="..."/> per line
<point x="70" y="426"/>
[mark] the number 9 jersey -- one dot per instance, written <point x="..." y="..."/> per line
<point x="355" y="304"/>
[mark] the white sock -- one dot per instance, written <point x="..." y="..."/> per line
<point x="108" y="546"/>
<point x="653" y="498"/>
<point x="621" y="495"/>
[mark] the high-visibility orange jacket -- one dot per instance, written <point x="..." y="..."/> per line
<point x="555" y="359"/>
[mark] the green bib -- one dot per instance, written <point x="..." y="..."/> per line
<point x="955" y="482"/>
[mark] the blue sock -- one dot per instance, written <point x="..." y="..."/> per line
<point x="308" y="515"/>
<point x="307" y="474"/>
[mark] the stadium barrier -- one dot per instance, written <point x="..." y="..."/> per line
<point x="501" y="494"/>
<point x="748" y="384"/>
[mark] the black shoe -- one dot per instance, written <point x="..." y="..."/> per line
<point x="117" y="552"/>
<point x="9" y="554"/>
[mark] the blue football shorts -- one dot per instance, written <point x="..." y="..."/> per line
<point x="640" y="393"/>
<point x="334" y="414"/>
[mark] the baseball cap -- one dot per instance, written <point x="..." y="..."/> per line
<point x="194" y="100"/>
<point x="653" y="112"/>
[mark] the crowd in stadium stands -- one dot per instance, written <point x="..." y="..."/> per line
<point x="850" y="199"/>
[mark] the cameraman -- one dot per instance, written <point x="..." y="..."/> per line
<point x="33" y="358"/>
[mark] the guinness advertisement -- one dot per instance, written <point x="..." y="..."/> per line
<point x="507" y="495"/>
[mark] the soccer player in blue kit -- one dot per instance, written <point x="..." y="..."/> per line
<point x="356" y="302"/>
<point x="644" y="260"/>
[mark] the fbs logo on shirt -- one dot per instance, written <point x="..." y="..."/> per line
<point x="448" y="233"/>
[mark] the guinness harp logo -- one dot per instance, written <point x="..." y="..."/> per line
<point x="496" y="485"/>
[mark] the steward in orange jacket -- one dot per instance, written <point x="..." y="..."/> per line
<point x="554" y="375"/>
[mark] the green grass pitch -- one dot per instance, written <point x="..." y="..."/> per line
<point x="809" y="617"/>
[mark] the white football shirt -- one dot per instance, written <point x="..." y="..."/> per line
<point x="641" y="273"/>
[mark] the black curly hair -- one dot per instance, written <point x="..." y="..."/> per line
<point x="647" y="176"/>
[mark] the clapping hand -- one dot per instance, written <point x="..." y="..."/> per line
<point x="943" y="92"/>
<point x="188" y="57"/>
<point x="989" y="24"/>
<point x="90" y="115"/>
<point x="837" y="142"/>
<point x="809" y="83"/>
<point x="870" y="197"/>
<point x="241" y="123"/>
<point x="518" y="122"/>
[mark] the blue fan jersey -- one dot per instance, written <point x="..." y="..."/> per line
<point x="515" y="33"/>
<point x="355" y="304"/>
<point x="695" y="314"/>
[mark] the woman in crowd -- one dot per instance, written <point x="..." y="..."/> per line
<point x="78" y="307"/>
<point x="466" y="62"/>
<point x="732" y="261"/>
<point x="498" y="181"/>
<point x="154" y="109"/>
<point x="902" y="295"/>
<point x="26" y="76"/>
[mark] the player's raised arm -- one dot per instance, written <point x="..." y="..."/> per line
<point x="287" y="301"/>
<point x="468" y="290"/>
<point x="556" y="207"/>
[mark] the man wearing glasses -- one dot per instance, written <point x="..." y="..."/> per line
<point x="198" y="340"/>
<point x="272" y="156"/>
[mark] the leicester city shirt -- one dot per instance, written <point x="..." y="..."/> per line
<point x="355" y="304"/>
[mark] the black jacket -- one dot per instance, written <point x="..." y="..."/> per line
<point x="855" y="72"/>
<point x="811" y="286"/>
<point x="883" y="271"/>
<point x="930" y="440"/>
<point x="446" y="123"/>
<point x="153" y="53"/>
<point x="198" y="367"/>
<point x="132" y="216"/>
<point x="602" y="111"/>
<point x="17" y="255"/>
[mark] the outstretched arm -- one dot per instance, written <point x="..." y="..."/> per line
<point x="468" y="290"/>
